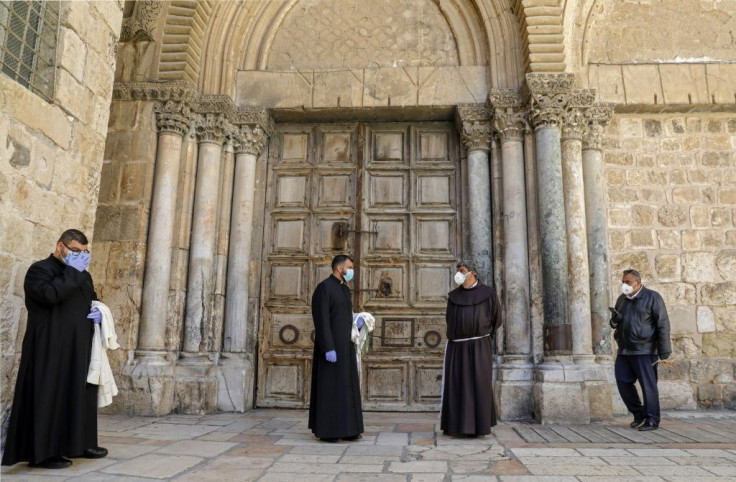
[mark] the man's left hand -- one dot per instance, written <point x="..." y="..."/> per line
<point x="95" y="316"/>
<point x="664" y="356"/>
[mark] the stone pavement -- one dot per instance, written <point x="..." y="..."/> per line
<point x="275" y="445"/>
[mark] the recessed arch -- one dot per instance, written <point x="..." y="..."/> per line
<point x="240" y="34"/>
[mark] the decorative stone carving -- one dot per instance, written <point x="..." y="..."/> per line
<point x="212" y="128"/>
<point x="173" y="116"/>
<point x="574" y="124"/>
<point x="597" y="117"/>
<point x="180" y="91"/>
<point x="474" y="122"/>
<point x="251" y="140"/>
<point x="139" y="27"/>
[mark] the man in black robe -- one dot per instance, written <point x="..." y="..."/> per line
<point x="473" y="315"/>
<point x="334" y="407"/>
<point x="54" y="412"/>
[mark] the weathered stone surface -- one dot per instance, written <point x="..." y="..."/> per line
<point x="711" y="371"/>
<point x="698" y="267"/>
<point x="682" y="319"/>
<point x="719" y="293"/>
<point x="687" y="346"/>
<point x="719" y="344"/>
<point x="726" y="263"/>
<point x="710" y="396"/>
<point x="706" y="320"/>
<point x="674" y="370"/>
<point x="667" y="267"/>
<point x="725" y="318"/>
<point x="729" y="396"/>
<point x="676" y="395"/>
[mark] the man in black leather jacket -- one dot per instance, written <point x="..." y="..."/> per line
<point x="643" y="336"/>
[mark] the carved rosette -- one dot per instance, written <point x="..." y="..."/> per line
<point x="597" y="117"/>
<point x="475" y="126"/>
<point x="211" y="128"/>
<point x="172" y="116"/>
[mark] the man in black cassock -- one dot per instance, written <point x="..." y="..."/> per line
<point x="473" y="315"/>
<point x="54" y="412"/>
<point x="334" y="407"/>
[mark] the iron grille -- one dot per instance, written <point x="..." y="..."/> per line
<point x="28" y="33"/>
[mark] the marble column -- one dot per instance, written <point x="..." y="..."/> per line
<point x="578" y="295"/>
<point x="597" y="117"/>
<point x="602" y="385"/>
<point x="235" y="372"/>
<point x="210" y="129"/>
<point x="560" y="394"/>
<point x="173" y="119"/>
<point x="475" y="123"/>
<point x="515" y="386"/>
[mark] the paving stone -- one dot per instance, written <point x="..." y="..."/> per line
<point x="207" y="474"/>
<point x="722" y="470"/>
<point x="367" y="459"/>
<point x="242" y="463"/>
<point x="508" y="467"/>
<point x="563" y="461"/>
<point x="417" y="467"/>
<point x="678" y="470"/>
<point x="580" y="470"/>
<point x="155" y="466"/>
<point x="473" y="478"/>
<point x="217" y="436"/>
<point x="257" y="451"/>
<point x="604" y="452"/>
<point x="172" y="431"/>
<point x="461" y="467"/>
<point x="324" y="449"/>
<point x="296" y="476"/>
<point x="531" y="478"/>
<point x="659" y="453"/>
<point x="310" y="459"/>
<point x="370" y="478"/>
<point x="126" y="451"/>
<point x="702" y="461"/>
<point x="427" y="477"/>
<point x="388" y="438"/>
<point x="605" y="478"/>
<point x="375" y="450"/>
<point x="544" y="452"/>
<point x="198" y="448"/>
<point x="637" y="461"/>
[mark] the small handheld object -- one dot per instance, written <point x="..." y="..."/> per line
<point x="613" y="311"/>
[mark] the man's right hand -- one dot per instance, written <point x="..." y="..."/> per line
<point x="81" y="262"/>
<point x="331" y="356"/>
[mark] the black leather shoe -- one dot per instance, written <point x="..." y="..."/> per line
<point x="638" y="420"/>
<point x="330" y="440"/>
<point x="353" y="439"/>
<point x="95" y="453"/>
<point x="52" y="463"/>
<point x="647" y="427"/>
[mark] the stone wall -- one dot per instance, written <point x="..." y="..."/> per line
<point x="50" y="158"/>
<point x="671" y="209"/>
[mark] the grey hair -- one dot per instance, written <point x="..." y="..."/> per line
<point x="469" y="265"/>
<point x="633" y="273"/>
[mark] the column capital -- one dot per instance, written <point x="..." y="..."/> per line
<point x="211" y="128"/>
<point x="509" y="116"/>
<point x="597" y="116"/>
<point x="250" y="139"/>
<point x="174" y="116"/>
<point x="474" y="122"/>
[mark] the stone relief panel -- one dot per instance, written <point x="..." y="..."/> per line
<point x="320" y="34"/>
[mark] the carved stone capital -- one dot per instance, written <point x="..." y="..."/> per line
<point x="573" y="124"/>
<point x="251" y="139"/>
<point x="211" y="128"/>
<point x="597" y="116"/>
<point x="540" y="83"/>
<point x="510" y="123"/>
<point x="500" y="98"/>
<point x="474" y="123"/>
<point x="173" y="116"/>
<point x="254" y="116"/>
<point x="140" y="26"/>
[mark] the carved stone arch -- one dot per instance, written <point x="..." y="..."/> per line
<point x="240" y="34"/>
<point x="183" y="37"/>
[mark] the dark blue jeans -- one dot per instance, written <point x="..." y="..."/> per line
<point x="629" y="369"/>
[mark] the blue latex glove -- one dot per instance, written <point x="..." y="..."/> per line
<point x="331" y="356"/>
<point x="95" y="316"/>
<point x="79" y="262"/>
<point x="360" y="322"/>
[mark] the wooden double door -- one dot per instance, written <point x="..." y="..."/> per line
<point x="387" y="194"/>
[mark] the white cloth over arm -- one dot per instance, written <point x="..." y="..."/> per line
<point x="100" y="372"/>
<point x="359" y="337"/>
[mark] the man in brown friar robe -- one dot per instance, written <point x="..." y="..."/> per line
<point x="473" y="315"/>
<point x="334" y="406"/>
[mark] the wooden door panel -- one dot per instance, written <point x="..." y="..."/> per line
<point x="394" y="205"/>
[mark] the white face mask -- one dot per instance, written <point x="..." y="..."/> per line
<point x="626" y="289"/>
<point x="460" y="278"/>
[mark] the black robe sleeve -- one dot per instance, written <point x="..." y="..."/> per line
<point x="321" y="317"/>
<point x="47" y="288"/>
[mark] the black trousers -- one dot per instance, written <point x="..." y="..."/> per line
<point x="629" y="369"/>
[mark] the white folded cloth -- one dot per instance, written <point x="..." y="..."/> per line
<point x="100" y="372"/>
<point x="360" y="337"/>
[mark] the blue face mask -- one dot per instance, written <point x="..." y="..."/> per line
<point x="70" y="255"/>
<point x="348" y="275"/>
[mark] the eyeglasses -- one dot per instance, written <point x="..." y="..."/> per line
<point x="75" y="250"/>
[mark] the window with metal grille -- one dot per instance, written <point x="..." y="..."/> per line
<point x="28" y="33"/>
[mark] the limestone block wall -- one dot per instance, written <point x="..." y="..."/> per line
<point x="50" y="159"/>
<point x="671" y="187"/>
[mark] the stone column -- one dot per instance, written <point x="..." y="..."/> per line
<point x="578" y="300"/>
<point x="597" y="116"/>
<point x="210" y="129"/>
<point x="475" y="124"/>
<point x="600" y="389"/>
<point x="236" y="370"/>
<point x="516" y="377"/>
<point x="173" y="119"/>
<point x="559" y="393"/>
